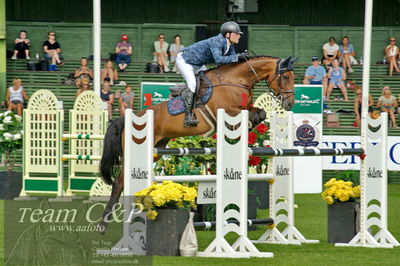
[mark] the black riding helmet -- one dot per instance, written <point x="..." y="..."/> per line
<point x="230" y="26"/>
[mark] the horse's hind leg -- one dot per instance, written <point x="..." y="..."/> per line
<point x="117" y="187"/>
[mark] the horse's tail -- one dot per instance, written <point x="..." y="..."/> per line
<point x="112" y="151"/>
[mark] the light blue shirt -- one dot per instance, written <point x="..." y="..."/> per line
<point x="319" y="72"/>
<point x="350" y="48"/>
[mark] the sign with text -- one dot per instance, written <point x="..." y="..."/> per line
<point x="307" y="99"/>
<point x="153" y="93"/>
<point x="353" y="162"/>
<point x="207" y="193"/>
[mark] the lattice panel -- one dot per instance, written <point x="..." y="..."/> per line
<point x="269" y="105"/>
<point x="87" y="117"/>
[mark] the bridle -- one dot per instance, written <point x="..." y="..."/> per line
<point x="281" y="95"/>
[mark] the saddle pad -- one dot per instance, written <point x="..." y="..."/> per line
<point x="176" y="105"/>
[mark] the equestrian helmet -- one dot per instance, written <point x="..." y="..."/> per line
<point x="230" y="26"/>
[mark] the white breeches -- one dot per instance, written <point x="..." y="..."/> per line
<point x="188" y="72"/>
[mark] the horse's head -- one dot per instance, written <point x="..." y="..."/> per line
<point x="282" y="82"/>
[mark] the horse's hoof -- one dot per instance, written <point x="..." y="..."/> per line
<point x="102" y="227"/>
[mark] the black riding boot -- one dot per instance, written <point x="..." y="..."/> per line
<point x="188" y="98"/>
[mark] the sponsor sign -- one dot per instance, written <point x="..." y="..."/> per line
<point x="153" y="93"/>
<point x="353" y="161"/>
<point x="207" y="193"/>
<point x="307" y="99"/>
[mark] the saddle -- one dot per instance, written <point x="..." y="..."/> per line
<point x="204" y="90"/>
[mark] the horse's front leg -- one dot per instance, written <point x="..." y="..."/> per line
<point x="256" y="116"/>
<point x="117" y="188"/>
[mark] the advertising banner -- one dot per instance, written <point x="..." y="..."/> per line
<point x="353" y="162"/>
<point x="153" y="93"/>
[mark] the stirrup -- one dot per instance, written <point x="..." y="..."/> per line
<point x="188" y="121"/>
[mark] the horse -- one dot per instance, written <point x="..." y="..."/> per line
<point x="229" y="82"/>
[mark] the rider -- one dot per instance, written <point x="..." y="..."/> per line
<point x="218" y="49"/>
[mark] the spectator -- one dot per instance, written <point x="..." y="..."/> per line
<point x="336" y="76"/>
<point x="126" y="100"/>
<point x="52" y="51"/>
<point x="21" y="48"/>
<point x="107" y="96"/>
<point x="315" y="74"/>
<point x="83" y="72"/>
<point x="84" y="86"/>
<point x="124" y="52"/>
<point x="174" y="49"/>
<point x="387" y="102"/>
<point x="346" y="54"/>
<point x="160" y="53"/>
<point x="357" y="106"/>
<point x="15" y="97"/>
<point x="330" y="51"/>
<point x="109" y="73"/>
<point x="392" y="54"/>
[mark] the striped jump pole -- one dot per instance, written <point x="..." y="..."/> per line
<point x="250" y="222"/>
<point x="66" y="157"/>
<point x="263" y="151"/>
<point x="82" y="136"/>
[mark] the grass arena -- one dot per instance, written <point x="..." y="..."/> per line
<point x="225" y="136"/>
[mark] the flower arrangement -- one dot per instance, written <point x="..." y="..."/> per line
<point x="259" y="137"/>
<point x="10" y="136"/>
<point x="165" y="195"/>
<point x="186" y="165"/>
<point x="340" y="190"/>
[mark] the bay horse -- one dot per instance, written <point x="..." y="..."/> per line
<point x="230" y="82"/>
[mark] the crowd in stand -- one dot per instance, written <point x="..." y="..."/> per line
<point x="330" y="72"/>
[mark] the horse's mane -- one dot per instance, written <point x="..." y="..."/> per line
<point x="240" y="61"/>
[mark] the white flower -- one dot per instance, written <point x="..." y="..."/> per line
<point x="19" y="118"/>
<point x="256" y="144"/>
<point x="21" y="132"/>
<point x="17" y="136"/>
<point x="7" y="120"/>
<point x="7" y="136"/>
<point x="266" y="143"/>
<point x="7" y="113"/>
<point x="1" y="126"/>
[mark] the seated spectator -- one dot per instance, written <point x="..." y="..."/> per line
<point x="21" y="48"/>
<point x="392" y="54"/>
<point x="160" y="53"/>
<point x="107" y="96"/>
<point x="124" y="52"/>
<point x="387" y="102"/>
<point x="347" y="54"/>
<point x="357" y="106"/>
<point x="109" y="73"/>
<point x="15" y="97"/>
<point x="316" y="75"/>
<point x="84" y="86"/>
<point x="126" y="100"/>
<point x="330" y="51"/>
<point x="336" y="76"/>
<point x="52" y="50"/>
<point x="174" y="49"/>
<point x="83" y="72"/>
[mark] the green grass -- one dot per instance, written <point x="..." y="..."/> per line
<point x="311" y="220"/>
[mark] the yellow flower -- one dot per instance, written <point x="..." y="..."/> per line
<point x="356" y="191"/>
<point x="152" y="214"/>
<point x="330" y="182"/>
<point x="329" y="200"/>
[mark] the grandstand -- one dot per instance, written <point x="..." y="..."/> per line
<point x="75" y="37"/>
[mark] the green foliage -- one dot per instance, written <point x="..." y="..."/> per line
<point x="10" y="132"/>
<point x="186" y="165"/>
<point x="349" y="175"/>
